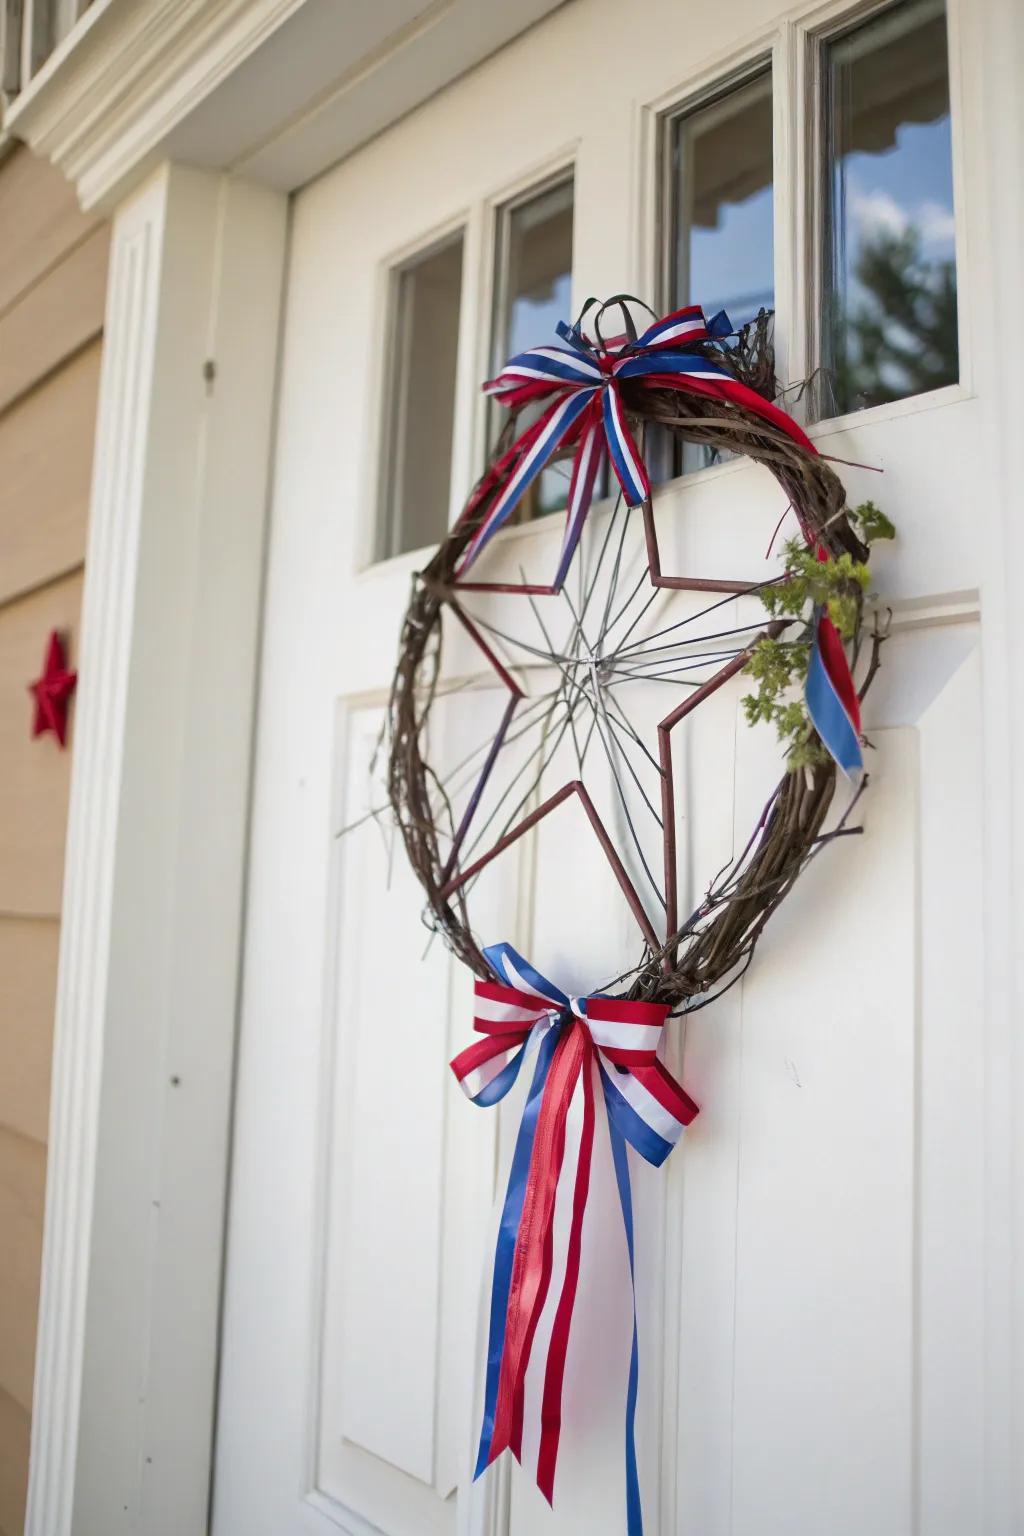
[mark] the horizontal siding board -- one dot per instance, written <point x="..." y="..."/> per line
<point x="34" y="772"/>
<point x="14" y="1440"/>
<point x="53" y="265"/>
<point x="46" y="444"/>
<point x="55" y="318"/>
<point x="28" y="983"/>
<point x="40" y="219"/>
<point x="22" y="1193"/>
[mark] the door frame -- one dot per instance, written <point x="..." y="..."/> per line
<point x="164" y="737"/>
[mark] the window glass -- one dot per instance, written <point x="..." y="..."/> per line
<point x="533" y="291"/>
<point x="721" y="213"/>
<point x="420" y="413"/>
<point x="890" y="309"/>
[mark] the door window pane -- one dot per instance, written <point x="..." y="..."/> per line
<point x="890" y="309"/>
<point x="420" y="414"/>
<point x="721" y="213"/>
<point x="533" y="291"/>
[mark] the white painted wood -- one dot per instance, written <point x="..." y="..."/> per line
<point x="311" y="1325"/>
<point x="814" y="1311"/>
<point x="824" y="1323"/>
<point x="153" y="889"/>
<point x="991" y="50"/>
<point x="415" y="1186"/>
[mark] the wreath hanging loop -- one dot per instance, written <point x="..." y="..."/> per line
<point x="621" y="302"/>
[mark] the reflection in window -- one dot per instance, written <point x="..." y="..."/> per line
<point x="420" y="410"/>
<point x="890" y="265"/>
<point x="721" y="215"/>
<point x="532" y="292"/>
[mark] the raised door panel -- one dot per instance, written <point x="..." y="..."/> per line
<point x="829" y="1302"/>
<point x="824" y="1306"/>
<point x="409" y="1169"/>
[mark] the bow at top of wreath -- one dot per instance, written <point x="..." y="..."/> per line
<point x="581" y="383"/>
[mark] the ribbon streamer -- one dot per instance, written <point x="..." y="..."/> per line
<point x="831" y="696"/>
<point x="580" y="1043"/>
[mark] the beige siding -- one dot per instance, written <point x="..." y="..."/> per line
<point x="15" y="1422"/>
<point x="45" y="467"/>
<point x="34" y="772"/>
<point x="41" y="221"/>
<point x="52" y="283"/>
<point x="22" y="1185"/>
<point x="28" y="982"/>
<point x="55" y="319"/>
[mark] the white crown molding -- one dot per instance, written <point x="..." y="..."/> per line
<point x="275" y="90"/>
<point x="127" y="74"/>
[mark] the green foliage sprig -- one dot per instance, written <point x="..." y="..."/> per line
<point x="777" y="665"/>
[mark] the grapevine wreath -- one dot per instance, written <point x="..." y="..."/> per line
<point x="585" y="403"/>
<point x="826" y="579"/>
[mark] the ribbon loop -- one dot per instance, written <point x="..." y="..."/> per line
<point x="585" y="410"/>
<point x="579" y="1041"/>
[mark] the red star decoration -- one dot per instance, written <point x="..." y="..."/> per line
<point x="52" y="692"/>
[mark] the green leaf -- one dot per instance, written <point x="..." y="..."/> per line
<point x="872" y="524"/>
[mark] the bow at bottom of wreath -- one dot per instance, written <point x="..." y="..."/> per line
<point x="581" y="1044"/>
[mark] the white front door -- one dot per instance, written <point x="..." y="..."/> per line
<point x="808" y="1260"/>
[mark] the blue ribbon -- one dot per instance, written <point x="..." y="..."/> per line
<point x="634" y="1513"/>
<point x="512" y="1210"/>
<point x="828" y="713"/>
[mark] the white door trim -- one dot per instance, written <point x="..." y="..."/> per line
<point x="145" y="1025"/>
<point x="993" y="52"/>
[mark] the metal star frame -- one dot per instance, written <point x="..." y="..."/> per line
<point x="591" y="666"/>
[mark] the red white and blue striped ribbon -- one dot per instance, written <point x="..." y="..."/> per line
<point x="581" y="1044"/>
<point x="582" y="383"/>
<point x="831" y="696"/>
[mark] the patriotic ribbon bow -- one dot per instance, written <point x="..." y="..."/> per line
<point x="582" y="382"/>
<point x="579" y="1042"/>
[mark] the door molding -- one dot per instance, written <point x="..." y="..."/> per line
<point x="150" y="936"/>
<point x="990" y="41"/>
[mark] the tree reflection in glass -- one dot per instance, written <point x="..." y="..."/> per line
<point x="721" y="206"/>
<point x="890" y="265"/>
